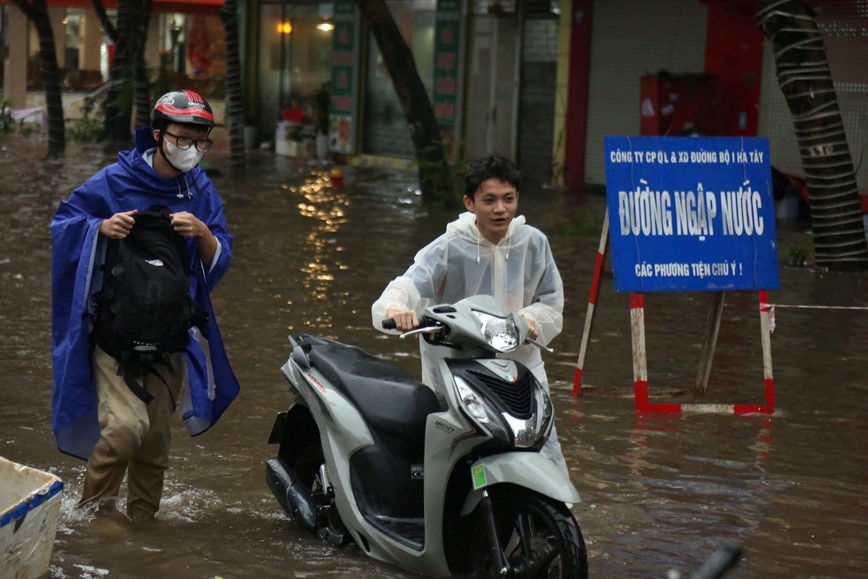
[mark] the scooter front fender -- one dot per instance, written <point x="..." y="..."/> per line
<point x="525" y="469"/>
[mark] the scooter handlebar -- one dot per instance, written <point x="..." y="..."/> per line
<point x="538" y="345"/>
<point x="426" y="326"/>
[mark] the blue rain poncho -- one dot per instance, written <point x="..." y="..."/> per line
<point x="519" y="271"/>
<point x="77" y="252"/>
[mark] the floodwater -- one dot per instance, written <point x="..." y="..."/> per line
<point x="659" y="493"/>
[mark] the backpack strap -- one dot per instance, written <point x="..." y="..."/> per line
<point x="138" y="389"/>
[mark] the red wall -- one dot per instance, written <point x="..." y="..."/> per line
<point x="734" y="54"/>
<point x="576" y="128"/>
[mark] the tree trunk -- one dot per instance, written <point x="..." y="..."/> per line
<point x="37" y="12"/>
<point x="805" y="79"/>
<point x="118" y="105"/>
<point x="234" y="102"/>
<point x="104" y="20"/>
<point x="129" y="77"/>
<point x="144" y="101"/>
<point x="435" y="179"/>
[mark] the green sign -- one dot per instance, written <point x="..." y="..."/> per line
<point x="447" y="41"/>
<point x="343" y="69"/>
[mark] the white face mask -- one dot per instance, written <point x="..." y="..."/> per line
<point x="183" y="160"/>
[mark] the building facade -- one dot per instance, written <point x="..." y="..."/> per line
<point x="685" y="46"/>
<point x="490" y="68"/>
<point x="540" y="81"/>
<point x="185" y="47"/>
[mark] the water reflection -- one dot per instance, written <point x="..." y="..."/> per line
<point x="658" y="492"/>
<point x="326" y="206"/>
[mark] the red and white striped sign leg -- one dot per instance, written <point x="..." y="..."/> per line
<point x="640" y="359"/>
<point x="765" y="335"/>
<point x="640" y="368"/>
<point x="589" y="316"/>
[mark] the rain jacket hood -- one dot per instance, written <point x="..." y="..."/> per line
<point x="77" y="253"/>
<point x="519" y="271"/>
<point x="465" y="226"/>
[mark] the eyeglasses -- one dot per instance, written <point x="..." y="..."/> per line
<point x="184" y="143"/>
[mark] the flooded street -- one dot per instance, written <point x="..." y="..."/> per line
<point x="659" y="492"/>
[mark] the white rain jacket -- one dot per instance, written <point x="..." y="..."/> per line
<point x="519" y="271"/>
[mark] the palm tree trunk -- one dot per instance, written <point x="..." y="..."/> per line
<point x="119" y="97"/>
<point x="234" y="102"/>
<point x="141" y="84"/>
<point x="805" y="79"/>
<point x="129" y="79"/>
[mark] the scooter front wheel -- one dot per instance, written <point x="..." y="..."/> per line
<point x="538" y="537"/>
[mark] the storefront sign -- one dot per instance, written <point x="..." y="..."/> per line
<point x="342" y="106"/>
<point x="446" y="46"/>
<point x="691" y="214"/>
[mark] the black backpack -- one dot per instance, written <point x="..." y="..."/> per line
<point x="144" y="308"/>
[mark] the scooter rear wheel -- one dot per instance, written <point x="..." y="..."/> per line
<point x="308" y="464"/>
<point x="539" y="538"/>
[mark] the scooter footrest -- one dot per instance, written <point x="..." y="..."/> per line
<point x="410" y="531"/>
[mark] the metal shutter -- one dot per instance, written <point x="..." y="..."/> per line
<point x="631" y="39"/>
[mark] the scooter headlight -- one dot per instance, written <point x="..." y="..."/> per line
<point x="500" y="333"/>
<point x="481" y="412"/>
<point x="471" y="402"/>
<point x="546" y="409"/>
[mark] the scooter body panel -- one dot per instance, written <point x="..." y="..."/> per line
<point x="530" y="470"/>
<point x="331" y="408"/>
<point x="342" y="429"/>
<point x="448" y="438"/>
<point x="440" y="456"/>
<point x="344" y="432"/>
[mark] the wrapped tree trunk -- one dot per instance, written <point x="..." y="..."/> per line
<point x="805" y="79"/>
<point x="234" y="102"/>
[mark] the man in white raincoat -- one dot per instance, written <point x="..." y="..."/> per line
<point x="487" y="250"/>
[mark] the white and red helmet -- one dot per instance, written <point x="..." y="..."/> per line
<point x="182" y="106"/>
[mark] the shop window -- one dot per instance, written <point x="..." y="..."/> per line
<point x="192" y="53"/>
<point x="385" y="128"/>
<point x="295" y="48"/>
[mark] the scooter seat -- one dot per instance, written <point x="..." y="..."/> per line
<point x="385" y="394"/>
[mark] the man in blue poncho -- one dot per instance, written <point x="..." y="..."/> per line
<point x="97" y="416"/>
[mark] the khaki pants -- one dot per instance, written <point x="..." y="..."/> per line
<point x="134" y="436"/>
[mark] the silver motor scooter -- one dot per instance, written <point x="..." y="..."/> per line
<point x="440" y="481"/>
